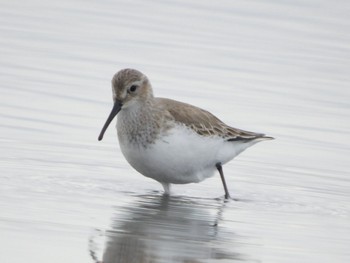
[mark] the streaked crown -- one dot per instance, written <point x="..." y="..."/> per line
<point x="131" y="84"/>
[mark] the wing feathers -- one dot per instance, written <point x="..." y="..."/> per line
<point x="204" y="123"/>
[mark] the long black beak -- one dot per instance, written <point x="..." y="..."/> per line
<point x="116" y="108"/>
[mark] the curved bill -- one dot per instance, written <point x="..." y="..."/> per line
<point x="116" y="108"/>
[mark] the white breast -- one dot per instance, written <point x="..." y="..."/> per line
<point x="180" y="157"/>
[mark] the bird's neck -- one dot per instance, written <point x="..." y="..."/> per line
<point x="139" y="124"/>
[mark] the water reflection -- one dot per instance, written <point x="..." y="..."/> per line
<point x="167" y="229"/>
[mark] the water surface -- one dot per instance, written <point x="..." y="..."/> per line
<point x="281" y="68"/>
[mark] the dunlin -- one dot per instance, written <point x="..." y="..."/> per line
<point x="171" y="141"/>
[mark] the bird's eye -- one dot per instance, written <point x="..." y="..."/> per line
<point x="133" y="88"/>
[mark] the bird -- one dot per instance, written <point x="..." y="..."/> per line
<point x="170" y="141"/>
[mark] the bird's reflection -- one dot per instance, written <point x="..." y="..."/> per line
<point x="162" y="229"/>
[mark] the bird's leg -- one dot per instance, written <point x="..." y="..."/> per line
<point x="219" y="167"/>
<point x="166" y="187"/>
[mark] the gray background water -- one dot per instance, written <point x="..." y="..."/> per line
<point x="279" y="67"/>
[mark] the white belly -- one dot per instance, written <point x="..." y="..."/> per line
<point x="181" y="157"/>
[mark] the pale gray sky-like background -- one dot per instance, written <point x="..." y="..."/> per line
<point x="278" y="67"/>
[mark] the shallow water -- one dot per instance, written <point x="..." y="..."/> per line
<point x="281" y="68"/>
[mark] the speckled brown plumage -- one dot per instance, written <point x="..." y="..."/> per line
<point x="203" y="122"/>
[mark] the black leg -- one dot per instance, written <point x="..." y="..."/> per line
<point x="219" y="167"/>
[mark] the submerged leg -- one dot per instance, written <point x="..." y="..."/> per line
<point x="219" y="167"/>
<point x="166" y="187"/>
